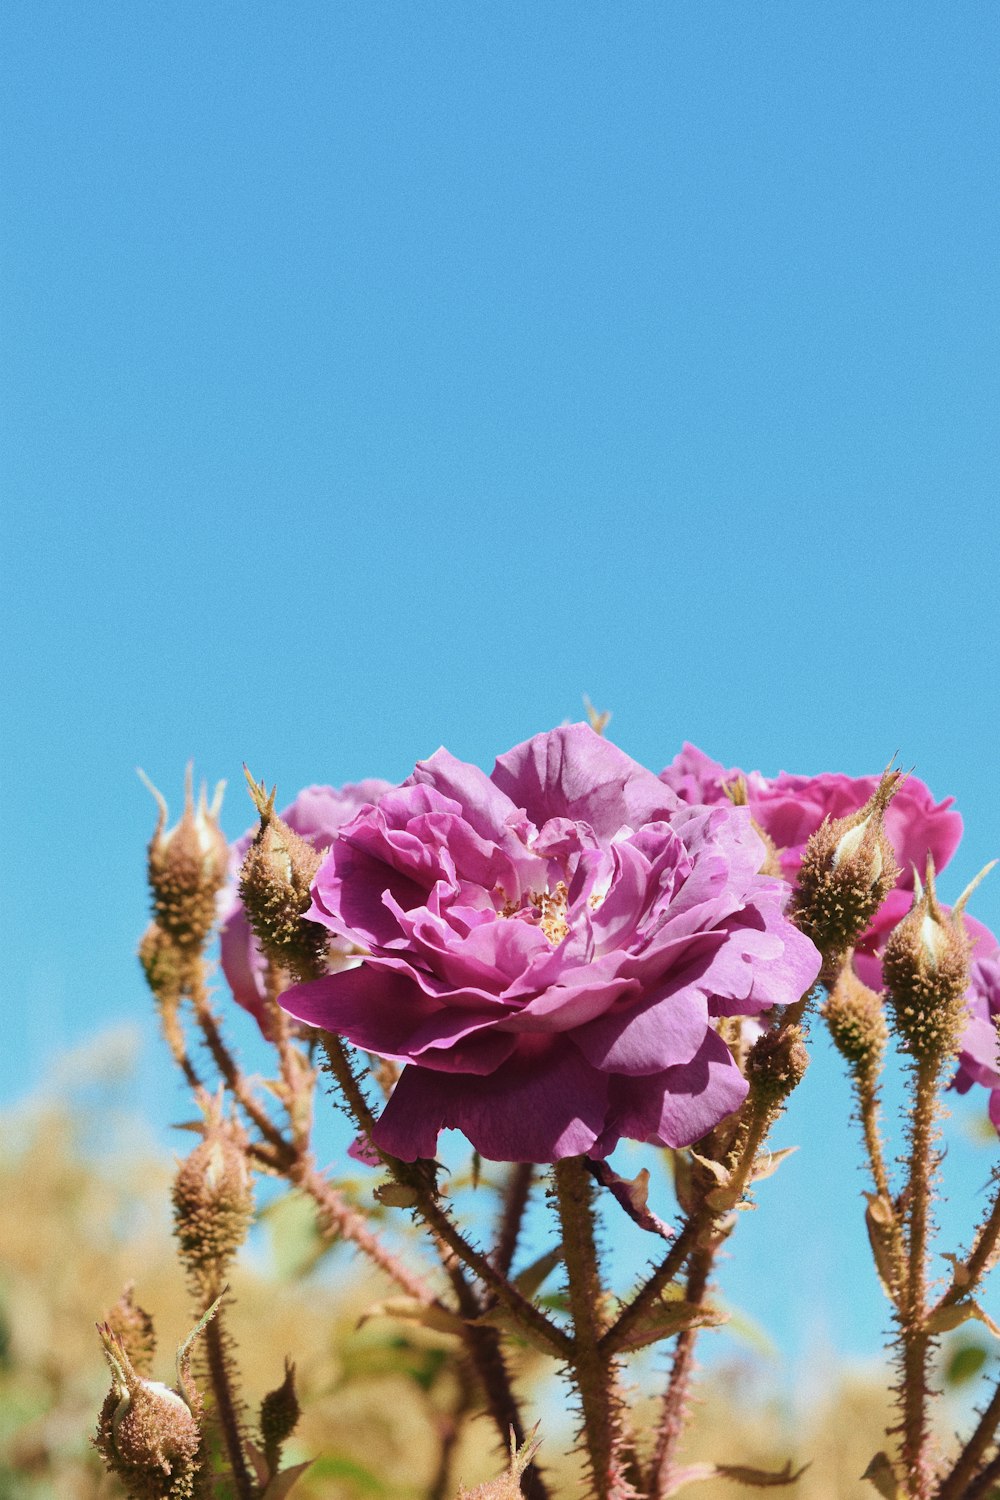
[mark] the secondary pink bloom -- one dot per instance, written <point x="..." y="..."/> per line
<point x="791" y="808"/>
<point x="979" y="1057"/>
<point x="316" y="814"/>
<point x="547" y="949"/>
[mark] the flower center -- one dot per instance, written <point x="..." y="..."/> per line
<point x="552" y="906"/>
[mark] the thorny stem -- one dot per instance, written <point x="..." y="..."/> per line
<point x="633" y="1312"/>
<point x="486" y="1353"/>
<point x="224" y="1060"/>
<point x="591" y="1363"/>
<point x="413" y="1176"/>
<point x="676" y="1399"/>
<point x="866" y="1090"/>
<point x="337" y="1218"/>
<point x="225" y="1404"/>
<point x="449" y="1426"/>
<point x="515" y="1201"/>
<point x="984" y="1484"/>
<point x="959" y="1483"/>
<point x="916" y="1341"/>
<point x="979" y="1260"/>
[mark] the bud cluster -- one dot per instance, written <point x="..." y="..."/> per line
<point x="848" y="869"/>
<point x="275" y="888"/>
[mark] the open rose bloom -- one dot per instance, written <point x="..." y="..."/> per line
<point x="547" y="949"/>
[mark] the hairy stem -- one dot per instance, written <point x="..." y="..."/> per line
<point x="592" y="1365"/>
<point x="226" y="1407"/>
<point x="224" y="1059"/>
<point x="633" y="1312"/>
<point x="414" y="1176"/>
<point x="866" y="1090"/>
<point x="959" y="1483"/>
<point x="916" y="1341"/>
<point x="676" y="1400"/>
<point x="979" y="1260"/>
<point x="515" y="1202"/>
<point x="338" y="1219"/>
<point x="486" y="1354"/>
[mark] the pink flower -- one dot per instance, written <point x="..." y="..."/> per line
<point x="316" y="814"/>
<point x="791" y="808"/>
<point x="979" y="1057"/>
<point x="547" y="949"/>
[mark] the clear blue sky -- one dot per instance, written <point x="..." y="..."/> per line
<point x="382" y="376"/>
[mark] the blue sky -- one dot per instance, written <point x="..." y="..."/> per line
<point x="377" y="377"/>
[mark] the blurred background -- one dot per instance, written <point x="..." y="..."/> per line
<point x="382" y="377"/>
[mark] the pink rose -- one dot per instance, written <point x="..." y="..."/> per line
<point x="548" y="947"/>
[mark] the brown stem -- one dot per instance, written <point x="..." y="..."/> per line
<point x="173" y="1033"/>
<point x="985" y="1483"/>
<point x="959" y="1483"/>
<point x="338" y="1219"/>
<point x="592" y="1365"/>
<point x="979" y="1260"/>
<point x="224" y="1060"/>
<point x="226" y="1407"/>
<point x="515" y="1201"/>
<point x="866" y="1089"/>
<point x="634" y="1311"/>
<point x="449" y="1427"/>
<point x="677" y="1396"/>
<point x="414" y="1176"/>
<point x="916" y="1341"/>
<point x="486" y="1354"/>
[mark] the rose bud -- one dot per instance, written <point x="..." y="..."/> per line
<point x="926" y="971"/>
<point x="275" y="888"/>
<point x="279" y="1413"/>
<point x="847" y="871"/>
<point x="856" y="1020"/>
<point x="187" y="866"/>
<point x="776" y="1064"/>
<point x="133" y="1327"/>
<point x="147" y="1434"/>
<point x="213" y="1196"/>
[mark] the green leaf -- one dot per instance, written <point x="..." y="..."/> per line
<point x="964" y="1363"/>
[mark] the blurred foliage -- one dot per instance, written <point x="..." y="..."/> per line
<point x="86" y="1210"/>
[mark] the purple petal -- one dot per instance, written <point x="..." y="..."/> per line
<point x="572" y="772"/>
<point x="676" y="1107"/>
<point x="664" y="1030"/>
<point x="542" y="1105"/>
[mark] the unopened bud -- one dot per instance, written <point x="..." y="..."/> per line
<point x="856" y="1020"/>
<point x="848" y="869"/>
<point x="926" y="971"/>
<point x="147" y="1434"/>
<point x="187" y="867"/>
<point x="213" y="1197"/>
<point x="279" y="1413"/>
<point x="162" y="963"/>
<point x="776" y="1064"/>
<point x="133" y="1327"/>
<point x="275" y="888"/>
